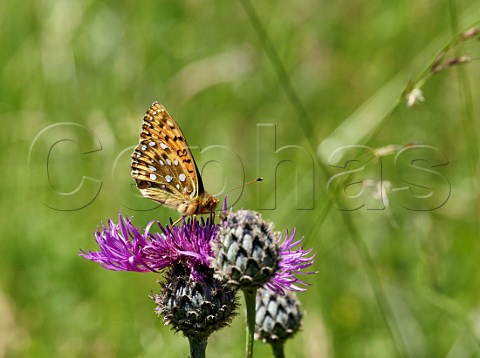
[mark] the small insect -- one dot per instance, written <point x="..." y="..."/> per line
<point x="163" y="166"/>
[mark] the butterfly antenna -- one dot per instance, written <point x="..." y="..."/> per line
<point x="242" y="185"/>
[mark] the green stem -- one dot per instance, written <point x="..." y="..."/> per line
<point x="250" y="304"/>
<point x="198" y="346"/>
<point x="278" y="349"/>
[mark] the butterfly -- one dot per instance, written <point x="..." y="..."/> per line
<point x="163" y="166"/>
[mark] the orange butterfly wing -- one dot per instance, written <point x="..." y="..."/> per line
<point x="163" y="166"/>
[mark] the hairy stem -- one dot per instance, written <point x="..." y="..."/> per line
<point x="250" y="305"/>
<point x="278" y="349"/>
<point x="198" y="346"/>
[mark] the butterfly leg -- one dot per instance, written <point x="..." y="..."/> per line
<point x="194" y="220"/>
<point x="178" y="220"/>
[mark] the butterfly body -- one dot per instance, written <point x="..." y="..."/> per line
<point x="163" y="166"/>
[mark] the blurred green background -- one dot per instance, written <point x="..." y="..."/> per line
<point x="76" y="79"/>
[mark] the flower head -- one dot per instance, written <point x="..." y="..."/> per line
<point x="121" y="247"/>
<point x="189" y="244"/>
<point x="246" y="252"/>
<point x="126" y="248"/>
<point x="196" y="308"/>
<point x="278" y="317"/>
<point x="250" y="254"/>
<point x="292" y="262"/>
<point x="414" y="96"/>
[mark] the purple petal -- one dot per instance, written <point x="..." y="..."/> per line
<point x="292" y="261"/>
<point x="125" y="248"/>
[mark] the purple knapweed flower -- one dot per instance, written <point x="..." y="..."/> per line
<point x="120" y="247"/>
<point x="249" y="254"/>
<point x="126" y="248"/>
<point x="292" y="262"/>
<point x="188" y="244"/>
